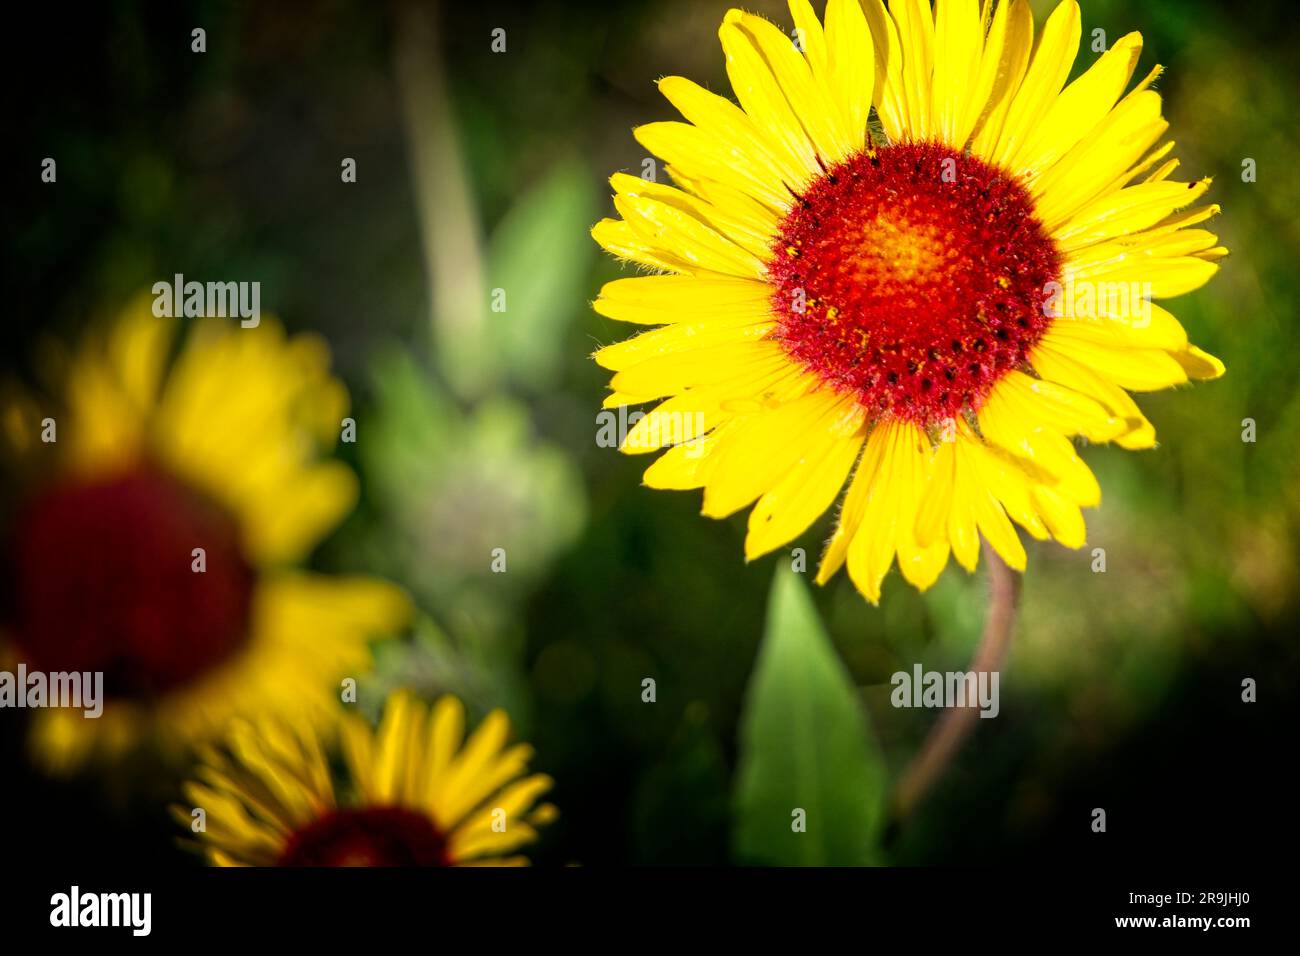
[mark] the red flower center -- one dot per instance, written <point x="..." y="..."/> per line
<point x="372" y="836"/>
<point x="914" y="276"/>
<point x="104" y="579"/>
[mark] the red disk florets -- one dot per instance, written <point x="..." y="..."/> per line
<point x="369" y="836"/>
<point x="104" y="578"/>
<point x="914" y="276"/>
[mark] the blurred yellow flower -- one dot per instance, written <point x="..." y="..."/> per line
<point x="168" y="501"/>
<point x="912" y="261"/>
<point x="412" y="794"/>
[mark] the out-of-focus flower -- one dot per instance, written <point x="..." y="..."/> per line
<point x="934" y="306"/>
<point x="412" y="796"/>
<point x="157" y="537"/>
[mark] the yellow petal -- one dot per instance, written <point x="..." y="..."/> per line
<point x="1079" y="108"/>
<point x="1097" y="164"/>
<point x="766" y="446"/>
<point x="667" y="230"/>
<point x="682" y="419"/>
<point x="1045" y="404"/>
<point x="808" y="103"/>
<point x="1127" y="211"/>
<point x="763" y="101"/>
<point x="1061" y="516"/>
<point x="1053" y="365"/>
<point x="888" y="515"/>
<point x="684" y="466"/>
<point x="446" y="731"/>
<point x="740" y="227"/>
<point x="736" y="143"/>
<point x="852" y="64"/>
<point x="1050" y="452"/>
<point x="1199" y="364"/>
<point x="810" y="487"/>
<point x="1053" y="57"/>
<point x="916" y="41"/>
<point x="812" y="38"/>
<point x="1008" y="69"/>
<point x="982" y="90"/>
<point x="669" y="374"/>
<point x="679" y="338"/>
<point x="959" y="41"/>
<point x="666" y="299"/>
<point x="728" y="150"/>
<point x="619" y="239"/>
<point x="1136" y="369"/>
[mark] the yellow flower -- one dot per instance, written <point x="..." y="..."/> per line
<point x="909" y="260"/>
<point x="158" y="543"/>
<point x="413" y="796"/>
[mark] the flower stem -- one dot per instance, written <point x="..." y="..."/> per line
<point x="955" y="724"/>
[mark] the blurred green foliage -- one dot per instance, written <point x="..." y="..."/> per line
<point x="540" y="254"/>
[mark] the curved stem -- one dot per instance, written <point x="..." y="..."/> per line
<point x="955" y="724"/>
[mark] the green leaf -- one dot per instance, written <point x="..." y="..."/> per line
<point x="540" y="255"/>
<point x="805" y="746"/>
